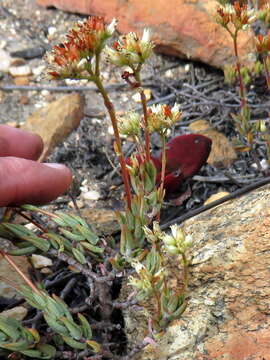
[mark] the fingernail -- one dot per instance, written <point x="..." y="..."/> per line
<point x="55" y="166"/>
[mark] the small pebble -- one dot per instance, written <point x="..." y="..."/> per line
<point x="30" y="226"/>
<point x="40" y="261"/>
<point x="187" y="68"/>
<point x="137" y="97"/>
<point x="110" y="130"/>
<point x="17" y="62"/>
<point x="51" y="32"/>
<point x="3" y="43"/>
<point x="264" y="165"/>
<point x="91" y="195"/>
<point x="18" y="313"/>
<point x="216" y="196"/>
<point x="24" y="100"/>
<point x="169" y="74"/>
<point x="45" y="93"/>
<point x="38" y="70"/>
<point x="5" y="61"/>
<point x="23" y="70"/>
<point x="79" y="203"/>
<point x="21" y="80"/>
<point x="46" y="271"/>
<point x="29" y="53"/>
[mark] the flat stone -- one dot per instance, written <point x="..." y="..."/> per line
<point x="55" y="121"/>
<point x="104" y="220"/>
<point x="11" y="276"/>
<point x="91" y="195"/>
<point x="21" y="80"/>
<point x="5" y="61"/>
<point x="29" y="53"/>
<point x="18" y="313"/>
<point x="40" y="261"/>
<point x="216" y="196"/>
<point x="22" y="70"/>
<point x="222" y="152"/>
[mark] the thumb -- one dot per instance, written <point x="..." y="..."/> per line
<point x="25" y="181"/>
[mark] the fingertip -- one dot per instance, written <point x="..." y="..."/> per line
<point x="20" y="143"/>
<point x="25" y="181"/>
<point x="37" y="146"/>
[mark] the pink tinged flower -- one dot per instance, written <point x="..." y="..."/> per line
<point x="84" y="41"/>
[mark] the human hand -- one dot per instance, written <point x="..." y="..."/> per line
<point x="22" y="179"/>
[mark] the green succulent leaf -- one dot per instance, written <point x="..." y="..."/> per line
<point x="67" y="219"/>
<point x="62" y="242"/>
<point x="74" y="330"/>
<point x="10" y="327"/>
<point x="36" y="354"/>
<point x="94" y="345"/>
<point x="54" y="325"/>
<point x="92" y="248"/>
<point x="88" y="234"/>
<point x="25" y="234"/>
<point x="48" y="351"/>
<point x="72" y="236"/>
<point x="73" y="343"/>
<point x="79" y="256"/>
<point x="86" y="328"/>
<point x="27" y="250"/>
<point x="16" y="346"/>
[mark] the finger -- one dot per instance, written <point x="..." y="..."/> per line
<point x="19" y="143"/>
<point x="25" y="181"/>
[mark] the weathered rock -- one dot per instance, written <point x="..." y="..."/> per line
<point x="227" y="316"/>
<point x="216" y="196"/>
<point x="29" y="53"/>
<point x="22" y="70"/>
<point x="222" y="152"/>
<point x="180" y="28"/>
<point x="91" y="195"/>
<point x="18" y="313"/>
<point x="39" y="261"/>
<point x="21" y="80"/>
<point x="104" y="220"/>
<point x="10" y="277"/>
<point x="55" y="121"/>
<point x="5" y="60"/>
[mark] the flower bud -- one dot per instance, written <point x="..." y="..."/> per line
<point x="129" y="124"/>
<point x="129" y="50"/>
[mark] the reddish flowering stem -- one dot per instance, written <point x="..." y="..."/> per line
<point x="185" y="273"/>
<point x="267" y="74"/>
<point x="110" y="108"/>
<point x="163" y="169"/>
<point x="238" y="68"/>
<point x="146" y="128"/>
<point x="145" y="115"/>
<point x="163" y="162"/>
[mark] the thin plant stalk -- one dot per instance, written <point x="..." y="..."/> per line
<point x="145" y="116"/>
<point x="238" y="69"/>
<point x="267" y="74"/>
<point x="185" y="272"/>
<point x="111" y="111"/>
<point x="163" y="162"/>
<point x="12" y="263"/>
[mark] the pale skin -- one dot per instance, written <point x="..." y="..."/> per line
<point x="23" y="180"/>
